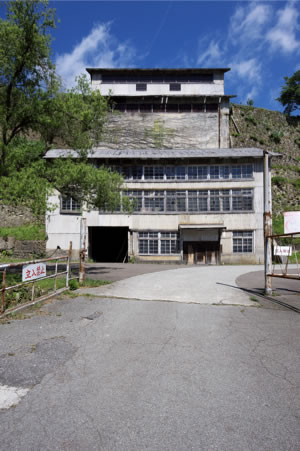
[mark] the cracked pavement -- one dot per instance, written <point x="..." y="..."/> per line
<point x="116" y="374"/>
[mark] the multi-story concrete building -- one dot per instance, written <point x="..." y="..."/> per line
<point x="196" y="199"/>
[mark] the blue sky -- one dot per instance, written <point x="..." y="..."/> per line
<point x="260" y="40"/>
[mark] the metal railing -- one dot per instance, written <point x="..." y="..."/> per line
<point x="16" y="268"/>
<point x="287" y="254"/>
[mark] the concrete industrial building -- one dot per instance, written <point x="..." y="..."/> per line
<point x="196" y="199"/>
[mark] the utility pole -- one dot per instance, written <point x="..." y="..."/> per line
<point x="267" y="225"/>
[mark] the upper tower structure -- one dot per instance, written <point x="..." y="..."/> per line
<point x="157" y="82"/>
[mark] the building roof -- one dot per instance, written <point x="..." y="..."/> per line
<point x="194" y="70"/>
<point x="157" y="154"/>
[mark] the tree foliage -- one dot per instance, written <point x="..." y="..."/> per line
<point x="290" y="93"/>
<point x="35" y="114"/>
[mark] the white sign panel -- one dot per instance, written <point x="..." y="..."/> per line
<point x="34" y="271"/>
<point x="291" y="221"/>
<point x="285" y="251"/>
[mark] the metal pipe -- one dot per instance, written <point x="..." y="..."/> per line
<point x="31" y="262"/>
<point x="267" y="225"/>
<point x="285" y="276"/>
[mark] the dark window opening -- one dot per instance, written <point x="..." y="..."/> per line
<point x="172" y="108"/>
<point x="146" y="107"/>
<point x="132" y="107"/>
<point x="158" y="107"/>
<point x="198" y="107"/>
<point x="212" y="107"/>
<point x="141" y="87"/>
<point x="157" y="78"/>
<point x="175" y="87"/>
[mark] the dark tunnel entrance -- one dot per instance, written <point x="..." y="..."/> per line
<point x="108" y="244"/>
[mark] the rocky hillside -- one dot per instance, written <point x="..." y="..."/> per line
<point x="273" y="131"/>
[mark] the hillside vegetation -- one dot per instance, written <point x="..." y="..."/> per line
<point x="272" y="131"/>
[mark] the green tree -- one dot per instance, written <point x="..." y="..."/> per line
<point x="35" y="114"/>
<point x="290" y="93"/>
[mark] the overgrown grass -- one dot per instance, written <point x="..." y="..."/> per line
<point x="22" y="294"/>
<point x="24" y="232"/>
<point x="93" y="283"/>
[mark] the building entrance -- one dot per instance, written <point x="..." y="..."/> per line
<point x="201" y="252"/>
<point x="108" y="244"/>
<point x="201" y="246"/>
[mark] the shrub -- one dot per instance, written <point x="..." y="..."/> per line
<point x="251" y="120"/>
<point x="73" y="284"/>
<point x="276" y="136"/>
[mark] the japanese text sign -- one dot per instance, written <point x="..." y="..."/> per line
<point x="283" y="250"/>
<point x="34" y="271"/>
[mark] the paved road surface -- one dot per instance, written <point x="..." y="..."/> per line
<point x="117" y="375"/>
<point x="198" y="284"/>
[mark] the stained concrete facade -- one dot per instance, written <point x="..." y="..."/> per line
<point x="211" y="229"/>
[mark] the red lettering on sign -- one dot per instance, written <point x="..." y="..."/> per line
<point x="28" y="276"/>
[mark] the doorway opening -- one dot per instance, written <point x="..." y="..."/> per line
<point x="108" y="244"/>
<point x="201" y="252"/>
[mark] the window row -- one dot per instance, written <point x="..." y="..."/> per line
<point x="156" y="78"/>
<point x="166" y="243"/>
<point x="166" y="107"/>
<point x="190" y="200"/>
<point x="162" y="243"/>
<point x="172" y="87"/>
<point x="212" y="172"/>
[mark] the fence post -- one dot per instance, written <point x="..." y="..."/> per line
<point x="82" y="267"/>
<point x="3" y="291"/>
<point x="55" y="279"/>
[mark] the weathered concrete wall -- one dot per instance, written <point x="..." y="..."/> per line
<point x="23" y="248"/>
<point x="15" y="216"/>
<point x="166" y="130"/>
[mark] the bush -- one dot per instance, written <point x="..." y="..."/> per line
<point x="73" y="284"/>
<point x="251" y="120"/>
<point x="276" y="136"/>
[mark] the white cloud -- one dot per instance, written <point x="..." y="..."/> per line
<point x="247" y="23"/>
<point x="283" y="35"/>
<point x="250" y="94"/>
<point x="248" y="69"/>
<point x="211" y="56"/>
<point x="98" y="49"/>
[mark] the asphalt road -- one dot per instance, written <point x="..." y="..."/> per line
<point x="131" y="375"/>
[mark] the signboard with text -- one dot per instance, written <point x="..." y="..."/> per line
<point x="33" y="271"/>
<point x="283" y="251"/>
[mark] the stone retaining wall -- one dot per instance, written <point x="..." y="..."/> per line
<point x="23" y="248"/>
<point x="11" y="216"/>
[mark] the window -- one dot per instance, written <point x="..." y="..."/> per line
<point x="159" y="243"/>
<point x="176" y="201"/>
<point x="203" y="172"/>
<point x="146" y="107"/>
<point x="242" y="171"/>
<point x="242" y="241"/>
<point x="141" y="87"/>
<point x="155" y="77"/>
<point x="180" y="201"/>
<point x="154" y="200"/>
<point x="212" y="107"/>
<point x="69" y="205"/>
<point x="175" y="87"/>
<point x="172" y="108"/>
<point x="153" y="172"/>
<point x="242" y="199"/>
